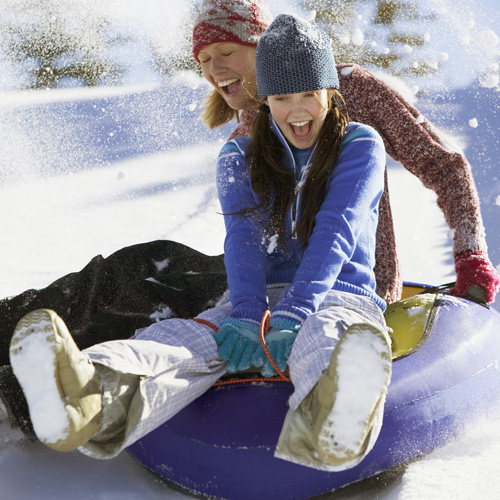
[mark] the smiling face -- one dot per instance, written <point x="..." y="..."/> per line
<point x="300" y="116"/>
<point x="230" y="68"/>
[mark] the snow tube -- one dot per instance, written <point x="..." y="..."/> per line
<point x="446" y="379"/>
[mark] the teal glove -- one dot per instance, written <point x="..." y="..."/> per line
<point x="279" y="341"/>
<point x="237" y="340"/>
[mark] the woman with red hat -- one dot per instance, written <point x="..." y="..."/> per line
<point x="224" y="39"/>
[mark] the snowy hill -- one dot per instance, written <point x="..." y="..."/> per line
<point x="94" y="161"/>
<point x="91" y="171"/>
<point x="88" y="171"/>
<point x="74" y="129"/>
<point x="473" y="114"/>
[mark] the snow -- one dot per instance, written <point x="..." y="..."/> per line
<point x="165" y="313"/>
<point x="56" y="223"/>
<point x="473" y="123"/>
<point x="273" y="244"/>
<point x="358" y="37"/>
<point x="88" y="171"/>
<point x="53" y="424"/>
<point x="490" y="81"/>
<point x="361" y="372"/>
<point x="161" y="264"/>
<point x="488" y="39"/>
<point x="346" y="71"/>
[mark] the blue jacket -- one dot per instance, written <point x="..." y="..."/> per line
<point x="341" y="250"/>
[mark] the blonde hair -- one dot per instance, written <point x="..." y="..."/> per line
<point x="217" y="112"/>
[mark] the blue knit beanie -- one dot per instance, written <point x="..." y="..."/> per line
<point x="294" y="56"/>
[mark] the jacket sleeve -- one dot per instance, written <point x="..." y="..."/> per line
<point x="244" y="246"/>
<point x="413" y="141"/>
<point x="351" y="202"/>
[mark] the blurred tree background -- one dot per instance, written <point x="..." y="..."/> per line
<point x="61" y="43"/>
<point x="385" y="34"/>
<point x="51" y="42"/>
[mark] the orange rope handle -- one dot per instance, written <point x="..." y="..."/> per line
<point x="205" y="322"/>
<point x="264" y="328"/>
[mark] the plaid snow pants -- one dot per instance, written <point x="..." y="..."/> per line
<point x="167" y="365"/>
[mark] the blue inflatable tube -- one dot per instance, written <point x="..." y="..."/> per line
<point x="222" y="445"/>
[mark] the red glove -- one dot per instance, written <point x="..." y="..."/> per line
<point x="475" y="270"/>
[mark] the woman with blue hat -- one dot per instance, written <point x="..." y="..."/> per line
<point x="300" y="200"/>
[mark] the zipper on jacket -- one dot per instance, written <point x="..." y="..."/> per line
<point x="294" y="226"/>
<point x="294" y="207"/>
<point x="301" y="176"/>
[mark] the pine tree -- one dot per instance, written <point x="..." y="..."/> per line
<point x="52" y="40"/>
<point x="179" y="58"/>
<point x="383" y="34"/>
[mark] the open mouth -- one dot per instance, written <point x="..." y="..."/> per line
<point x="229" y="87"/>
<point x="301" y="130"/>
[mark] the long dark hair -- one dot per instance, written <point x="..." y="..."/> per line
<point x="274" y="182"/>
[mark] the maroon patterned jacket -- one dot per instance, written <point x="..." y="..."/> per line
<point x="412" y="140"/>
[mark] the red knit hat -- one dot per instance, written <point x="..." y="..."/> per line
<point x="236" y="21"/>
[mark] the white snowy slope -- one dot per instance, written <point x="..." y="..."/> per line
<point x="88" y="171"/>
<point x="52" y="225"/>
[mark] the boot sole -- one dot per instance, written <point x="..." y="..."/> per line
<point x="41" y="352"/>
<point x="350" y="393"/>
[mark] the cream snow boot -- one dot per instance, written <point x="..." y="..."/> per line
<point x="59" y="381"/>
<point x="346" y="405"/>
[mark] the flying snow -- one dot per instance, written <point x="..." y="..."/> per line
<point x="490" y="81"/>
<point x="358" y="37"/>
